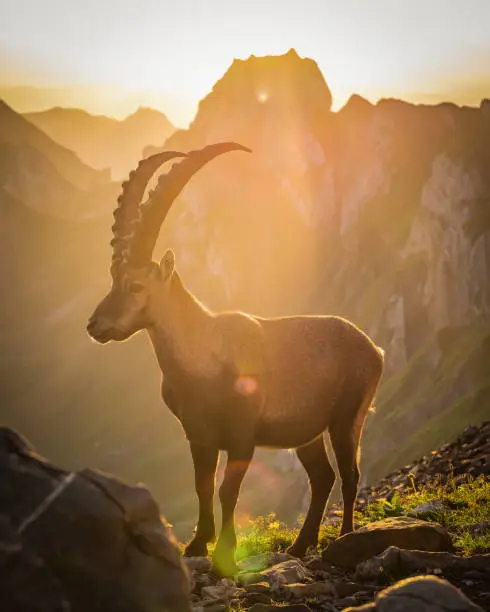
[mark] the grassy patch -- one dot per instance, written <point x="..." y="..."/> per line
<point x="469" y="503"/>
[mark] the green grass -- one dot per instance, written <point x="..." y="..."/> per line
<point x="469" y="503"/>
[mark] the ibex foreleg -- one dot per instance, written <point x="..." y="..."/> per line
<point x="237" y="465"/>
<point x="205" y="461"/>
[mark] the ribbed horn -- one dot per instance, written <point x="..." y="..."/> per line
<point x="155" y="210"/>
<point x="129" y="201"/>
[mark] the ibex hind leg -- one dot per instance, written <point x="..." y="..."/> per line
<point x="321" y="477"/>
<point x="345" y="434"/>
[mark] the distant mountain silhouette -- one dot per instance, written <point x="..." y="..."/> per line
<point x="104" y="142"/>
<point x="45" y="175"/>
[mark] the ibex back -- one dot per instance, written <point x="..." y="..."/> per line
<point x="233" y="380"/>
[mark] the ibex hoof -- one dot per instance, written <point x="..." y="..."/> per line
<point x="297" y="549"/>
<point x="196" y="548"/>
<point x="224" y="564"/>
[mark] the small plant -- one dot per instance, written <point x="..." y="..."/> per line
<point x="411" y="477"/>
<point x="264" y="534"/>
<point x="378" y="511"/>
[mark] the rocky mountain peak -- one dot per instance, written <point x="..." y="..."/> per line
<point x="260" y="88"/>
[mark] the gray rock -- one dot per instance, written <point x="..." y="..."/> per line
<point x="253" y="598"/>
<point x="346" y="588"/>
<point x="249" y="579"/>
<point x="287" y="572"/>
<point x="477" y="529"/>
<point x="430" y="510"/>
<point x="310" y="589"/>
<point x="420" y="594"/>
<point x="258" y="563"/>
<point x="198" y="564"/>
<point x="399" y="562"/>
<point x="258" y="587"/>
<point x="211" y="606"/>
<point x="373" y="539"/>
<point x="81" y="541"/>
<point x="223" y="591"/>
<point x="287" y="608"/>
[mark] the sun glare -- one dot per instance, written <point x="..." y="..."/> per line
<point x="262" y="96"/>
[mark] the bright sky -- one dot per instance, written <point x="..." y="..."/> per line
<point x="152" y="47"/>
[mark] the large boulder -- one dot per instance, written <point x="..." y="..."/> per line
<point x="373" y="539"/>
<point x="78" y="541"/>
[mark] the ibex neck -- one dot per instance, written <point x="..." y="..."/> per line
<point x="182" y="332"/>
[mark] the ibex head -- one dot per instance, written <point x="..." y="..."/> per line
<point x="136" y="279"/>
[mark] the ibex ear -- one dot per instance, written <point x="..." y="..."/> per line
<point x="167" y="264"/>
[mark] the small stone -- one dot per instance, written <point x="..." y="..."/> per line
<point x="253" y="598"/>
<point x="344" y="589"/>
<point x="211" y="606"/>
<point x="258" y="563"/>
<point x="224" y="590"/>
<point x="349" y="601"/>
<point x="249" y="578"/>
<point x="287" y="608"/>
<point x="477" y="529"/>
<point x="287" y="572"/>
<point x="312" y="589"/>
<point x="318" y="564"/>
<point x="258" y="587"/>
<point x="430" y="510"/>
<point x="198" y="564"/>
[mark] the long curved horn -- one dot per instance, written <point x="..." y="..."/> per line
<point x="154" y="211"/>
<point x="129" y="201"/>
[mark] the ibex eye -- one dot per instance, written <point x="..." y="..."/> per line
<point x="136" y="287"/>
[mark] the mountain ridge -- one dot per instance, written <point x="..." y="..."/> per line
<point x="102" y="141"/>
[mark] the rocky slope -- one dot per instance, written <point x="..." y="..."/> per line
<point x="379" y="213"/>
<point x="103" y="142"/>
<point x="465" y="459"/>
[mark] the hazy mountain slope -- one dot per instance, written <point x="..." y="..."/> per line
<point x="104" y="142"/>
<point x="44" y="175"/>
<point x="17" y="131"/>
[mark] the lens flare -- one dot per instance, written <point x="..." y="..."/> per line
<point x="262" y="96"/>
<point x="246" y="385"/>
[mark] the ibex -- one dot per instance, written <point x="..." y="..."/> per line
<point x="237" y="381"/>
